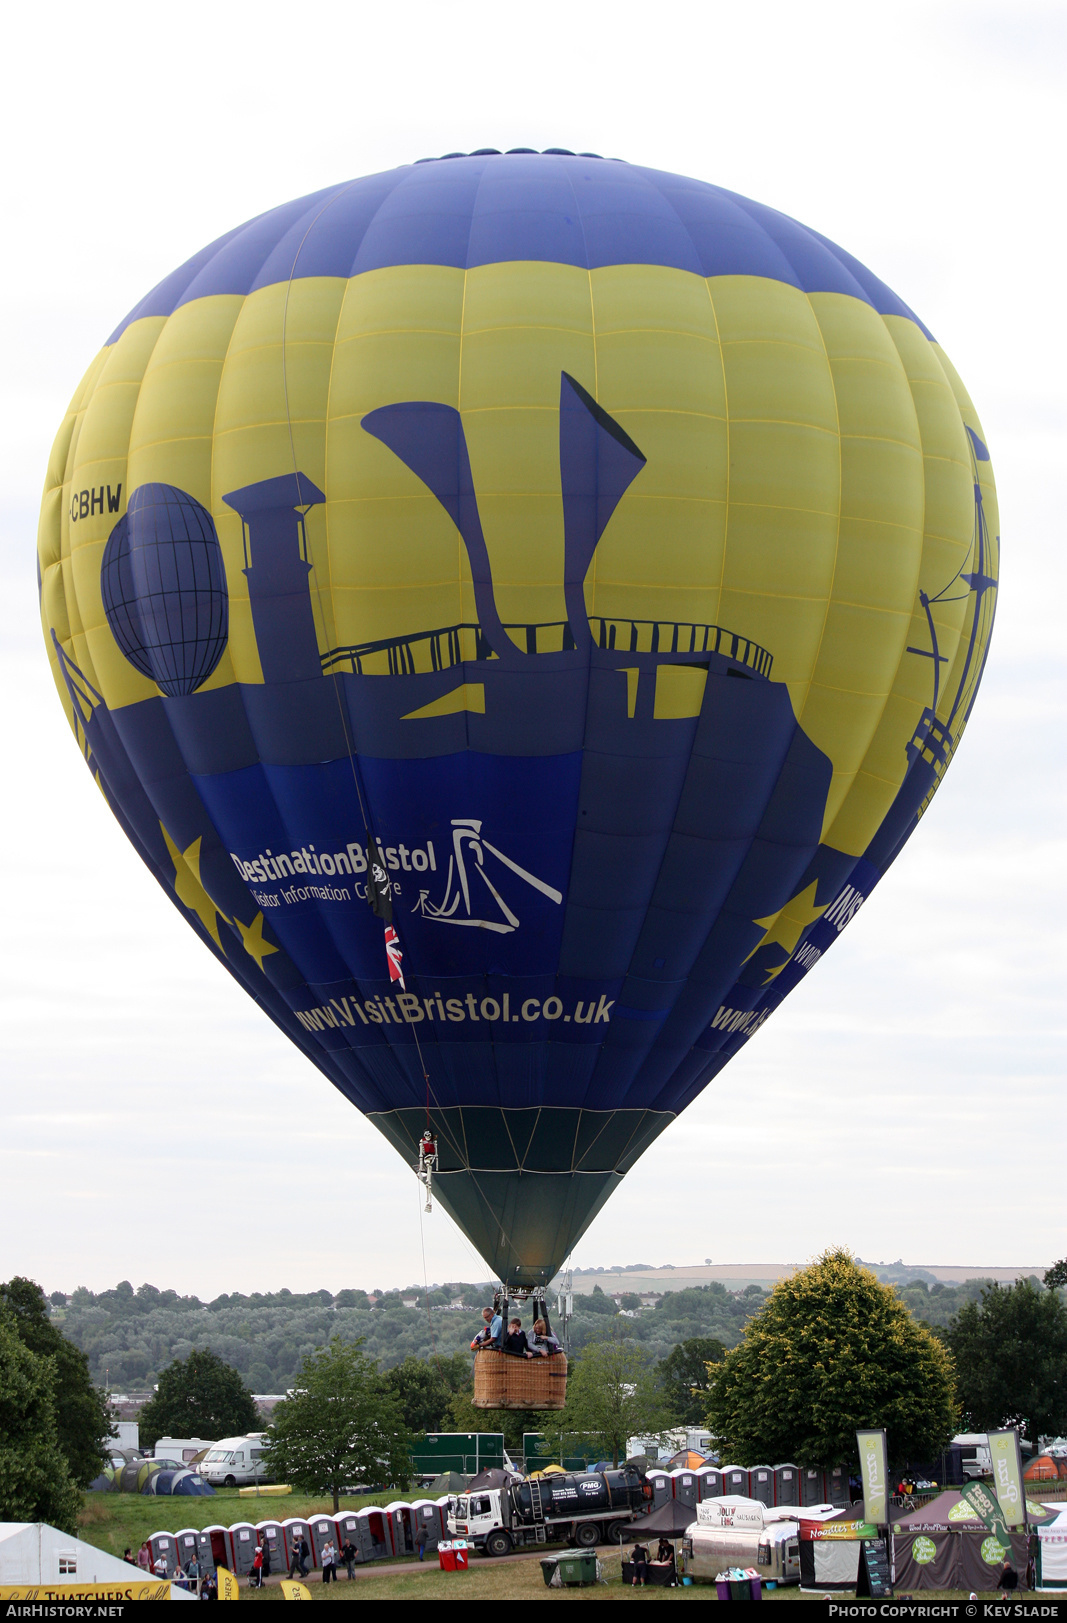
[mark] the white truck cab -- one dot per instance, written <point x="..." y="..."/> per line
<point x="235" y="1462"/>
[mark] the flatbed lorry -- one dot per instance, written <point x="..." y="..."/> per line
<point x="585" y="1509"/>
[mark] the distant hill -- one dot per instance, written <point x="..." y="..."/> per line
<point x="129" y="1335"/>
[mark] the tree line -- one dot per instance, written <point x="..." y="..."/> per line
<point x="824" y="1353"/>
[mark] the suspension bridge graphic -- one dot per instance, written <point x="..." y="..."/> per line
<point x="462" y="900"/>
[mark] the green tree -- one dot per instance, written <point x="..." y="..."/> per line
<point x="341" y="1426"/>
<point x="831" y="1350"/>
<point x="630" y="1302"/>
<point x="1056" y="1276"/>
<point x="424" y="1390"/>
<point x="513" y="1423"/>
<point x="35" y="1480"/>
<point x="595" y="1302"/>
<point x="683" y="1376"/>
<point x="612" y="1394"/>
<point x="198" y="1396"/>
<point x="83" y="1423"/>
<point x="1011" y="1359"/>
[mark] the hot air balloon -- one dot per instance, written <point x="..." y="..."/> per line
<point x="589" y="567"/>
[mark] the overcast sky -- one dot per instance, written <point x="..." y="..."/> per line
<point x="908" y="1100"/>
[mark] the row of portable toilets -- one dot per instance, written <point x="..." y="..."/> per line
<point x="770" y="1484"/>
<point x="398" y="1529"/>
<point x="374" y="1534"/>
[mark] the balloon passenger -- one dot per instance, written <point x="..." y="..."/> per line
<point x="542" y="1340"/>
<point x="515" y="1341"/>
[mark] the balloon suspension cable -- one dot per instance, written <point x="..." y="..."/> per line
<point x="426" y="1292"/>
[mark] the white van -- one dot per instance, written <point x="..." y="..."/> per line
<point x="235" y="1462"/>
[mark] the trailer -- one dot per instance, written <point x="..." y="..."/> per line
<point x="741" y="1532"/>
<point x="583" y="1509"/>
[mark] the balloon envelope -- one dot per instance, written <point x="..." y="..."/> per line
<point x="615" y="552"/>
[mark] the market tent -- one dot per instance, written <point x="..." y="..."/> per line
<point x="944" y="1545"/>
<point x="671" y="1519"/>
<point x="830" y="1547"/>
<point x="33" y="1553"/>
<point x="1052" y="1552"/>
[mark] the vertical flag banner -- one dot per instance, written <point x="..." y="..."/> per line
<point x="295" y="1591"/>
<point x="987" y="1508"/>
<point x="393" y="956"/>
<point x="874" y="1475"/>
<point x="228" y="1586"/>
<point x="1008" y="1476"/>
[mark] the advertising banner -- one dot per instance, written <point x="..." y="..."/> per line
<point x="874" y="1474"/>
<point x="62" y="1594"/>
<point x="1008" y="1476"/>
<point x="986" y="1507"/>
<point x="718" y="1513"/>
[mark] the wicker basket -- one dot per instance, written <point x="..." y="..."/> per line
<point x="502" y="1381"/>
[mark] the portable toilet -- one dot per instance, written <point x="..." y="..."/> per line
<point x="162" y="1546"/>
<point x="837" y="1487"/>
<point x="812" y="1488"/>
<point x="294" y="1528"/>
<point x="274" y="1543"/>
<point x="709" y="1482"/>
<point x="786" y="1485"/>
<point x="379" y="1528"/>
<point x="685" y="1487"/>
<point x="761" y="1484"/>
<point x="431" y="1522"/>
<point x="194" y="1545"/>
<point x="242" y="1548"/>
<point x="403" y="1527"/>
<point x="347" y="1531"/>
<point x="662" y="1487"/>
<point x="321" y="1529"/>
<point x="735" y="1480"/>
<point x="218" y="1538"/>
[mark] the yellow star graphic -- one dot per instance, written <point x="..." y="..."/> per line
<point x="189" y="889"/>
<point x="785" y="928"/>
<point x="252" y="936"/>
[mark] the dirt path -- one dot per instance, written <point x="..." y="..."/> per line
<point x="414" y="1569"/>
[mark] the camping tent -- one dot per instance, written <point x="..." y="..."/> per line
<point x="448" y="1482"/>
<point x="944" y="1545"/>
<point x="1043" y="1468"/>
<point x="188" y="1483"/>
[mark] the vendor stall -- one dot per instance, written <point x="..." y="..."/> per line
<point x="1052" y="1551"/>
<point x="944" y="1545"/>
<point x="830" y="1547"/>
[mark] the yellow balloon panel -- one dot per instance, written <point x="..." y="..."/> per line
<point x="807" y="473"/>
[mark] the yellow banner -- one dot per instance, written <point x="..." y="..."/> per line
<point x="61" y="1592"/>
<point x="874" y="1473"/>
<point x="294" y="1591"/>
<point x="228" y="1586"/>
<point x="1008" y="1475"/>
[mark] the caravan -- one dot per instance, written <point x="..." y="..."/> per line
<point x="236" y="1462"/>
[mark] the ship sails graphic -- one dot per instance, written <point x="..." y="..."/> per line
<point x="467" y="864"/>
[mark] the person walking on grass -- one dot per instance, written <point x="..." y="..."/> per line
<point x="329" y="1562"/>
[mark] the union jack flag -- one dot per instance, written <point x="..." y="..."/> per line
<point x="394" y="955"/>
